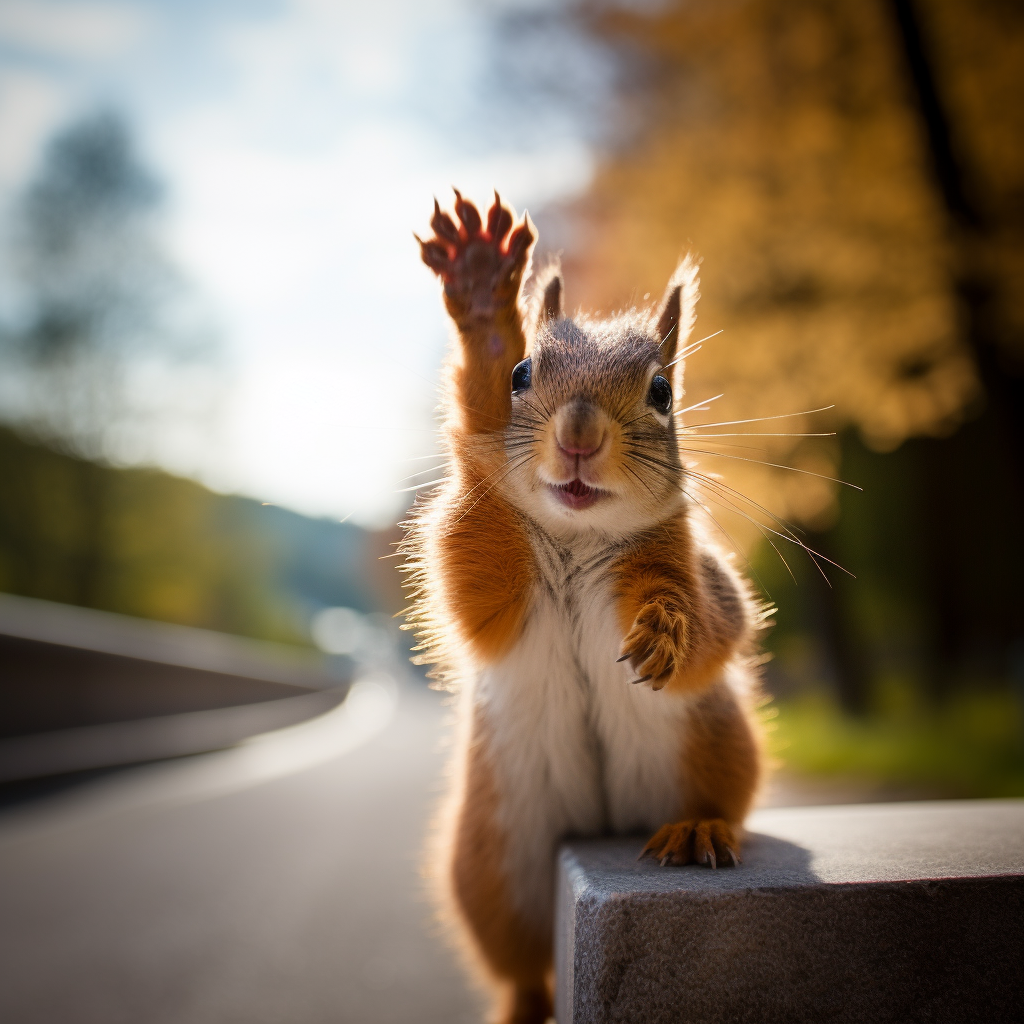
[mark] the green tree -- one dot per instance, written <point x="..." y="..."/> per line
<point x="96" y="295"/>
<point x="98" y="307"/>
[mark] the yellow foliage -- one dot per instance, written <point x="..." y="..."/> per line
<point x="780" y="143"/>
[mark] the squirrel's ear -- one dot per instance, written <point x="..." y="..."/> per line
<point x="552" y="309"/>
<point x="678" y="310"/>
<point x="550" y="289"/>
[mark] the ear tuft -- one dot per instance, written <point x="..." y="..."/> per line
<point x="553" y="299"/>
<point x="550" y="291"/>
<point x="678" y="309"/>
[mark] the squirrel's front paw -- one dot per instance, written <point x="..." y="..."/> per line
<point x="481" y="265"/>
<point x="709" y="841"/>
<point x="656" y="644"/>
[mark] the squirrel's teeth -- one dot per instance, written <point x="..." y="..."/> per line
<point x="577" y="488"/>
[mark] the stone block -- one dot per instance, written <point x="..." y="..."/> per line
<point x="874" y="913"/>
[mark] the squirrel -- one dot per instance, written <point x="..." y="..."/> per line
<point x="601" y="645"/>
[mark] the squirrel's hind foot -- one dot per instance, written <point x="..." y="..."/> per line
<point x="709" y="841"/>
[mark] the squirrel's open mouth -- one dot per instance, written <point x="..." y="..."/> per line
<point x="576" y="494"/>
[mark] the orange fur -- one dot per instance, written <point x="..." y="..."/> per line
<point x="469" y="587"/>
<point x="680" y="611"/>
<point x="720" y="770"/>
<point x="484" y="570"/>
<point x="684" y="613"/>
<point x="479" y="375"/>
<point x="482" y="267"/>
<point x="721" y="760"/>
<point x="514" y="954"/>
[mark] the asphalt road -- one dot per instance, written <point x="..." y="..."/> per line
<point x="275" y="882"/>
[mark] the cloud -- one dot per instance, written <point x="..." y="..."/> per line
<point x="30" y="106"/>
<point x="302" y="144"/>
<point x="77" y="30"/>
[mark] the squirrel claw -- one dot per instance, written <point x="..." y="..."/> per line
<point x="734" y="855"/>
<point x="468" y="214"/>
<point x="481" y="267"/>
<point x="707" y="841"/>
<point x="628" y="654"/>
<point x="444" y="227"/>
<point x="643" y="680"/>
<point x="499" y="220"/>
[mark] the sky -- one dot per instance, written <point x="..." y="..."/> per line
<point x="301" y="143"/>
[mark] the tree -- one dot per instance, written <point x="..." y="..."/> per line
<point x="851" y="260"/>
<point x="98" y="305"/>
<point x="97" y="296"/>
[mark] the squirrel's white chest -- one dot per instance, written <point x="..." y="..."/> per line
<point x="576" y="748"/>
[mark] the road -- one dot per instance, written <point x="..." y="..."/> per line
<point x="275" y="882"/>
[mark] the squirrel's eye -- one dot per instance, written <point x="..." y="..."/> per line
<point x="660" y="395"/>
<point x="521" y="376"/>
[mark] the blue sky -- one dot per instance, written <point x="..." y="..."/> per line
<point x="301" y="142"/>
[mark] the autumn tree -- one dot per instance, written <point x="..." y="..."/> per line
<point x="849" y="260"/>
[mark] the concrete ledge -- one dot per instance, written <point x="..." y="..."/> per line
<point x="897" y="912"/>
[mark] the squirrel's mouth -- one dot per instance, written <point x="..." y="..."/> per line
<point x="576" y="494"/>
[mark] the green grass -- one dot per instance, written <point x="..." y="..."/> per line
<point x="972" y="746"/>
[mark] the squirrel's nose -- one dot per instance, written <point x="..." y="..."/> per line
<point x="571" y="449"/>
<point x="578" y="429"/>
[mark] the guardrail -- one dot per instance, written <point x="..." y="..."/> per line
<point x="83" y="689"/>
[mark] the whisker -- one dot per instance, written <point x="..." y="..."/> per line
<point x="731" y="506"/>
<point x="762" y="527"/>
<point x="546" y="410"/>
<point x="691" y="408"/>
<point x="762" y="419"/>
<point x="759" y="433"/>
<point x="662" y="471"/>
<point x="775" y="465"/>
<point x="416" y="487"/>
<point x="637" y="451"/>
<point x="690" y="349"/>
<point x="512" y="466"/>
<point x="731" y="540"/>
<point x="789" y="534"/>
<point x="422" y="472"/>
<point x="723" y="486"/>
<point x="672" y="479"/>
<point x="726" y="444"/>
<point x="636" y="476"/>
<point x="515" y="462"/>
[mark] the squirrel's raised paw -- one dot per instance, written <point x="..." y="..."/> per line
<point x="482" y="266"/>
<point x="709" y="841"/>
<point x="656" y="644"/>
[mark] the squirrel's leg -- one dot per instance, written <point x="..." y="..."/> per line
<point x="485" y="583"/>
<point x="482" y="267"/>
<point x="516" y="955"/>
<point x="720" y="770"/>
<point x="683" y="611"/>
<point x="685" y="614"/>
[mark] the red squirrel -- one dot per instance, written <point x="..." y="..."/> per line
<point x="601" y="645"/>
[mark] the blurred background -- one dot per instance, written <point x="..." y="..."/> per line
<point x="218" y="366"/>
